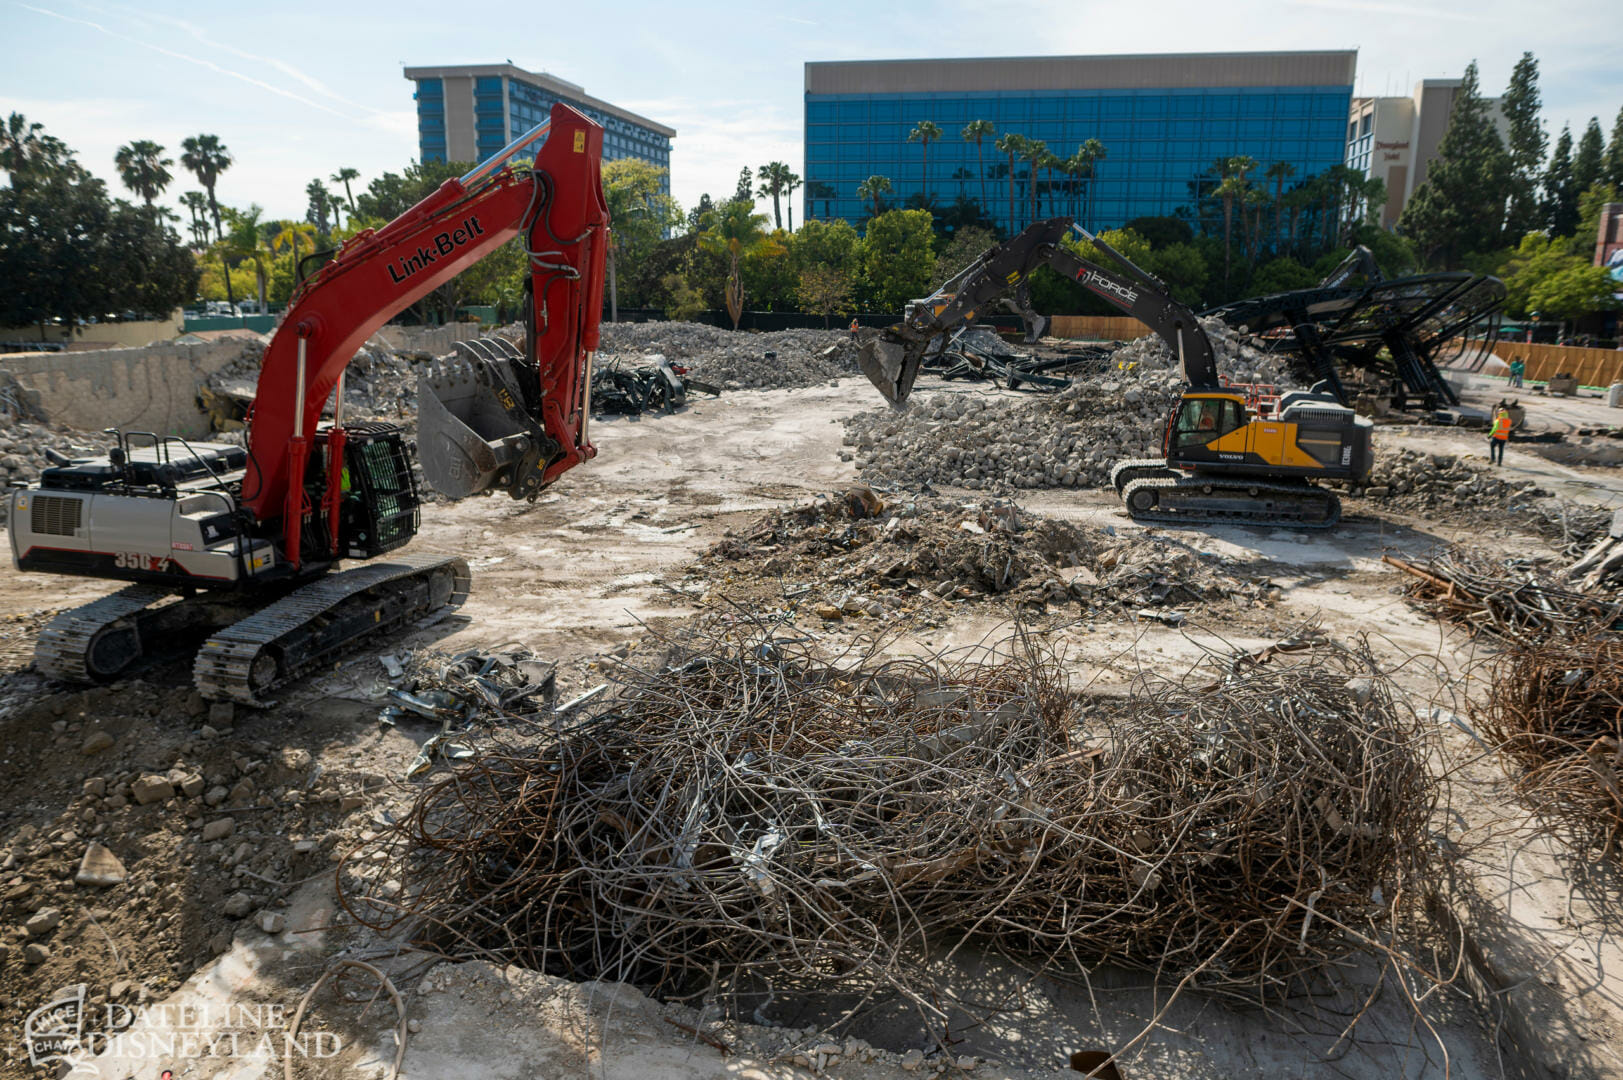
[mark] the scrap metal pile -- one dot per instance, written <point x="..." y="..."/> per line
<point x="851" y="552"/>
<point x="655" y="386"/>
<point x="1506" y="598"/>
<point x="979" y="355"/>
<point x="747" y="815"/>
<point x="1555" y="710"/>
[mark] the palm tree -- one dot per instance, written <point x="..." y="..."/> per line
<point x="873" y="188"/>
<point x="735" y="230"/>
<point x="143" y="169"/>
<point x="320" y="200"/>
<point x="246" y="240"/>
<point x="1233" y="186"/>
<point x="207" y="158"/>
<point x="1092" y="151"/>
<point x="1049" y="162"/>
<point x="924" y="133"/>
<point x="344" y="176"/>
<point x="975" y="131"/>
<point x="820" y="189"/>
<point x="773" y="177"/>
<point x="198" y="204"/>
<point x="790" y="183"/>
<point x="293" y="235"/>
<point x="1014" y="145"/>
<point x="1036" y="150"/>
<point x="1279" y="172"/>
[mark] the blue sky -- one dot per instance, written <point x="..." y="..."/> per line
<point x="297" y="89"/>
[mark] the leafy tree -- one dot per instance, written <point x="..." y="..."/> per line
<point x="1282" y="274"/>
<point x="1182" y="268"/>
<point x="700" y="209"/>
<point x="774" y="177"/>
<point x="146" y="267"/>
<point x="735" y="231"/>
<point x="245" y="242"/>
<point x="769" y="278"/>
<point x="1589" y="163"/>
<point x="345" y="176"/>
<point x="1526" y="144"/>
<point x="207" y="157"/>
<point x="832" y="243"/>
<point x="1614" y="153"/>
<point x="1460" y="206"/>
<point x="1533" y="260"/>
<point x="197" y="204"/>
<point x="27" y="153"/>
<point x="392" y="194"/>
<point x="898" y="257"/>
<point x="1590" y="205"/>
<point x="320" y="201"/>
<point x="873" y="188"/>
<point x="143" y="169"/>
<point x="1561" y="189"/>
<point x="825" y="291"/>
<point x="639" y="215"/>
<point x="293" y="237"/>
<point x="966" y="244"/>
<point x="744" y="192"/>
<point x="1161" y="231"/>
<point x="685" y="303"/>
<point x="977" y="132"/>
<point x="924" y="133"/>
<point x="1013" y="145"/>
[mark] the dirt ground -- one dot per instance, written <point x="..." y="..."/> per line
<point x="229" y="897"/>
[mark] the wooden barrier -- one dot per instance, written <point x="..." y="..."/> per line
<point x="1108" y="327"/>
<point x="1591" y="367"/>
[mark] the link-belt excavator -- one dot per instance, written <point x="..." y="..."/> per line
<point x="240" y="545"/>
<point x="1225" y="459"/>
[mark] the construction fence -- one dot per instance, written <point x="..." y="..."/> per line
<point x="1591" y="367"/>
<point x="1102" y="327"/>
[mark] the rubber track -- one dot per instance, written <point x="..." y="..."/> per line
<point x="226" y="660"/>
<point x="1146" y="465"/>
<point x="1298" y="493"/>
<point x="65" y="642"/>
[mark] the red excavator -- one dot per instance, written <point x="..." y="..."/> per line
<point x="240" y="545"/>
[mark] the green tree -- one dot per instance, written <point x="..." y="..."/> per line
<point x="1588" y="165"/>
<point x="685" y="302"/>
<point x="1561" y="189"/>
<point x="791" y="184"/>
<point x="197" y="204"/>
<point x="392" y="194"/>
<point x="1048" y="163"/>
<point x="977" y="132"/>
<point x="774" y="177"/>
<point x="320" y="201"/>
<point x="1036" y="151"/>
<point x="1231" y="190"/>
<point x="640" y="213"/>
<point x="874" y="188"/>
<point x="825" y="291"/>
<point x="768" y="275"/>
<point x="206" y="157"/>
<point x="898" y="257"/>
<point x="745" y="191"/>
<point x="147" y="268"/>
<point x="1088" y="156"/>
<point x="832" y="243"/>
<point x="964" y="247"/>
<point x="27" y="153"/>
<point x="143" y="169"/>
<point x="244" y="241"/>
<point x="1184" y="270"/>
<point x="345" y="176"/>
<point x="1283" y="274"/>
<point x="1590" y="205"/>
<point x="1460" y="207"/>
<point x="1013" y="145"/>
<point x="1526" y="144"/>
<point x="735" y="232"/>
<point x="1614" y="153"/>
<point x="294" y="237"/>
<point x="924" y="133"/>
<point x="1279" y="172"/>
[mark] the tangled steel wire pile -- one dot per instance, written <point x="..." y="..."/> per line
<point x="751" y="816"/>
<point x="1556" y="710"/>
<point x="1503" y="598"/>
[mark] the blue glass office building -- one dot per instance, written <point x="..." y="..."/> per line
<point x="470" y="112"/>
<point x="1163" y="121"/>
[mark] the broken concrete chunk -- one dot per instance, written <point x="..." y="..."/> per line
<point x="43" y="921"/>
<point x="238" y="905"/>
<point x="272" y="922"/>
<point x="191" y="785"/>
<point x="99" y="866"/>
<point x="219" y="829"/>
<point x="151" y="789"/>
<point x="96" y="743"/>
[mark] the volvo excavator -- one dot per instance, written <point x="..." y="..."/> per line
<point x="241" y="546"/>
<point x="1225" y="458"/>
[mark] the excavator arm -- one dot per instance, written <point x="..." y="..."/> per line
<point x="507" y="422"/>
<point x="891" y="360"/>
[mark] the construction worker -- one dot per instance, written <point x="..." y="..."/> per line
<point x="1499" y="436"/>
<point x="853" y="328"/>
<point x="1517" y="368"/>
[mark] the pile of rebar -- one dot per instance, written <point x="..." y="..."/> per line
<point x="657" y="387"/>
<point x="1504" y="598"/>
<point x="749" y="816"/>
<point x="981" y="356"/>
<point x="1556" y="711"/>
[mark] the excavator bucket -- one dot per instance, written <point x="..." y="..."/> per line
<point x="891" y="365"/>
<point x="473" y="433"/>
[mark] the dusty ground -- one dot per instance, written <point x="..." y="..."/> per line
<point x="613" y="551"/>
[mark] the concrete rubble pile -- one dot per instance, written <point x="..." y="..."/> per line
<point x="23" y="443"/>
<point x="379" y="384"/>
<point x="1071" y="439"/>
<point x="778" y="360"/>
<point x="852" y="556"/>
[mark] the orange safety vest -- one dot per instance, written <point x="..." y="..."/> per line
<point x="1501" y="427"/>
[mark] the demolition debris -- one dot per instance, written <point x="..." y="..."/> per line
<point x="750" y="816"/>
<point x="1505" y="598"/>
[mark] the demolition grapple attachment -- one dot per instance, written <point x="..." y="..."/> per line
<point x="475" y="431"/>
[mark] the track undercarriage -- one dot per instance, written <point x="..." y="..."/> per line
<point x="1155" y="493"/>
<point x="250" y="643"/>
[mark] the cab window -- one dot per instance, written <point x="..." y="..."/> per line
<point x="1202" y="420"/>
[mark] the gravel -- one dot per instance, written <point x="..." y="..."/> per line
<point x="737" y="360"/>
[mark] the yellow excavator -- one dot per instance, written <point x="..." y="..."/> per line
<point x="1226" y="456"/>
